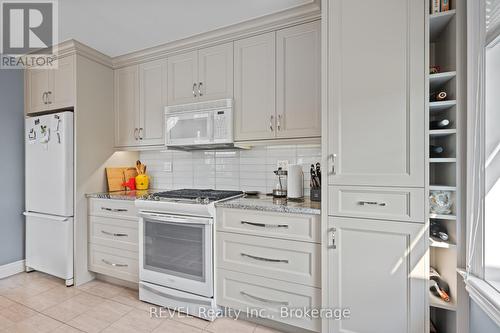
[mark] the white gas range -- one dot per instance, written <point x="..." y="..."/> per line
<point x="176" y="247"/>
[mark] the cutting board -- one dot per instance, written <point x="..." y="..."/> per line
<point x="117" y="176"/>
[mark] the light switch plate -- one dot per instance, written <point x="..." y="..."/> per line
<point x="283" y="164"/>
<point x="167" y="166"/>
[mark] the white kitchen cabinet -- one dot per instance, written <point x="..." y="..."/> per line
<point x="153" y="99"/>
<point x="215" y="72"/>
<point x="298" y="81"/>
<point x="201" y="75"/>
<point x="51" y="89"/>
<point x="254" y="87"/>
<point x="376" y="92"/>
<point x="182" y="78"/>
<point x="140" y="100"/>
<point x="127" y="115"/>
<point x="377" y="271"/>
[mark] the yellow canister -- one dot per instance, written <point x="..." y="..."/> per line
<point x="142" y="182"/>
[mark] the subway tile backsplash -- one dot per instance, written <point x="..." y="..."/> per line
<point x="246" y="170"/>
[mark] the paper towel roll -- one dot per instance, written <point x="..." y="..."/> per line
<point x="295" y="182"/>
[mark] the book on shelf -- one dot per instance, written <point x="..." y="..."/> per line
<point x="438" y="6"/>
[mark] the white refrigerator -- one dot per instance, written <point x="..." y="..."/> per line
<point x="49" y="194"/>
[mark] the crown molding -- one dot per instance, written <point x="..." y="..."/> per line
<point x="308" y="12"/>
<point x="71" y="47"/>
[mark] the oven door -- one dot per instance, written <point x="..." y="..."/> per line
<point x="176" y="252"/>
<point x="189" y="128"/>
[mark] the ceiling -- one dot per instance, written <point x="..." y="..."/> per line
<point x="117" y="27"/>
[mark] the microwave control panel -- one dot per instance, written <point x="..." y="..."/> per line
<point x="220" y="125"/>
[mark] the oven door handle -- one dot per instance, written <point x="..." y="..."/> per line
<point x="175" y="219"/>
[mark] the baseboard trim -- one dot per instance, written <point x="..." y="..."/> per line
<point x="12" y="268"/>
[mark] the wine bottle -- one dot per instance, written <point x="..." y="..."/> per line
<point x="436" y="151"/>
<point x="438" y="286"/>
<point x="437" y="230"/>
<point x="438" y="96"/>
<point x="439" y="124"/>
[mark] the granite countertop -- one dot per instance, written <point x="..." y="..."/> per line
<point x="269" y="204"/>
<point x="122" y="195"/>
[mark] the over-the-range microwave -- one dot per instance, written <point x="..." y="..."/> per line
<point x="203" y="125"/>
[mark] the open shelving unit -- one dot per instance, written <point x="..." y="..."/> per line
<point x="446" y="170"/>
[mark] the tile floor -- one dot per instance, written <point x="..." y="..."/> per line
<point x="38" y="303"/>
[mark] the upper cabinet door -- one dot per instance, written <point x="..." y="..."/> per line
<point x="378" y="271"/>
<point x="298" y="81"/>
<point x="153" y="99"/>
<point x="62" y="84"/>
<point x="183" y="78"/>
<point x="376" y="92"/>
<point x="127" y="118"/>
<point x="215" y="72"/>
<point x="254" y="87"/>
<point x="37" y="89"/>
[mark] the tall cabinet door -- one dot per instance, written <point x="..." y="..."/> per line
<point x="62" y="84"/>
<point x="377" y="271"/>
<point x="183" y="78"/>
<point x="37" y="88"/>
<point x="298" y="81"/>
<point x="254" y="85"/>
<point x="153" y="99"/>
<point x="215" y="72"/>
<point x="127" y="118"/>
<point x="377" y="92"/>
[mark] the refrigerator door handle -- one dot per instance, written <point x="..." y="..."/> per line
<point x="48" y="217"/>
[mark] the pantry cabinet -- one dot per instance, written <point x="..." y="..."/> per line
<point x="51" y="89"/>
<point x="377" y="271"/>
<point x="376" y="86"/>
<point x="278" y="84"/>
<point x="140" y="99"/>
<point x="201" y="75"/>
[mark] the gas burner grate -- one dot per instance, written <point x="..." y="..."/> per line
<point x="192" y="194"/>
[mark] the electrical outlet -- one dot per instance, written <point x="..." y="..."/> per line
<point x="167" y="166"/>
<point x="283" y="164"/>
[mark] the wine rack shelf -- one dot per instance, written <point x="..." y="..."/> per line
<point x="441" y="105"/>
<point x="442" y="160"/>
<point x="437" y="23"/>
<point x="439" y="79"/>
<point x="447" y="55"/>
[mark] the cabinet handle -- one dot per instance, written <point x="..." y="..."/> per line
<point x="263" y="225"/>
<point x="264" y="300"/>
<point x="135" y="134"/>
<point x="44" y="97"/>
<point x="278" y="125"/>
<point x="333" y="157"/>
<point x="271" y="123"/>
<point x="48" y="97"/>
<point x="141" y="130"/>
<point x="114" y="209"/>
<point x="113" y="264"/>
<point x="263" y="259"/>
<point x="113" y="234"/>
<point x="199" y="89"/>
<point x="371" y="203"/>
<point x="333" y="246"/>
<point x="194" y="89"/>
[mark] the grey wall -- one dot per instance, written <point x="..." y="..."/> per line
<point x="480" y="322"/>
<point x="11" y="166"/>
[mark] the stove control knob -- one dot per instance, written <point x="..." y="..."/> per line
<point x="206" y="201"/>
<point x="198" y="200"/>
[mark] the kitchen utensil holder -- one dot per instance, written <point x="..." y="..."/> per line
<point x="315" y="194"/>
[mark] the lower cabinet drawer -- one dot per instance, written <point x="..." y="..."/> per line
<point x="385" y="203"/>
<point x="123" y="209"/>
<point x="267" y="297"/>
<point x="277" y="225"/>
<point x="118" y="263"/>
<point x="286" y="260"/>
<point x="121" y="234"/>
